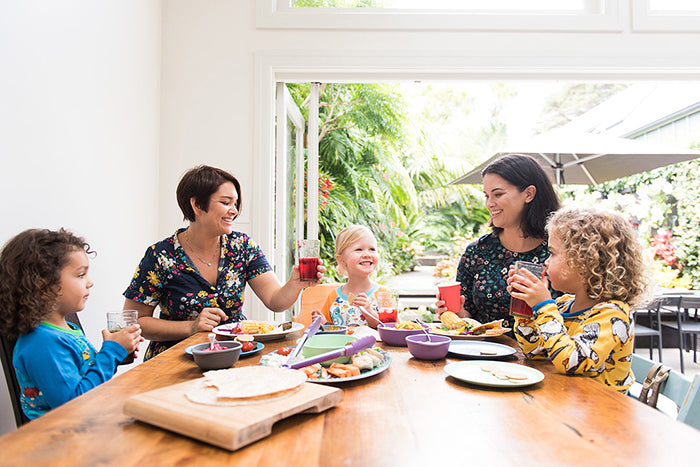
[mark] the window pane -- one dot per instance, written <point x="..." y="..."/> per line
<point x="677" y="6"/>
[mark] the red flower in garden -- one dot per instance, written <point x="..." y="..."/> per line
<point x="662" y="248"/>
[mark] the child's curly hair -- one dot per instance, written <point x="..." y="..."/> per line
<point x="604" y="249"/>
<point x="30" y="273"/>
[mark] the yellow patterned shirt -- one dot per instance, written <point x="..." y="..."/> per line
<point x="596" y="342"/>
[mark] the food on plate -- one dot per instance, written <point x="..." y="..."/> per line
<point x="452" y="322"/>
<point x="410" y="325"/>
<point x="362" y="362"/>
<point x="494" y="328"/>
<point x="244" y="338"/>
<point x="500" y="373"/>
<point x="248" y="346"/>
<point x="255" y="327"/>
<point x="248" y="384"/>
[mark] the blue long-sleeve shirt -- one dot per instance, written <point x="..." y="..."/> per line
<point x="54" y="365"/>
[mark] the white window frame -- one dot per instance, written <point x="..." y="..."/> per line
<point x="602" y="16"/>
<point x="646" y="20"/>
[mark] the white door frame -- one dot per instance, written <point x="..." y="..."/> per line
<point x="370" y="66"/>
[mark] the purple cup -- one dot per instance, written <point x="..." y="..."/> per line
<point x="421" y="348"/>
<point x="397" y="337"/>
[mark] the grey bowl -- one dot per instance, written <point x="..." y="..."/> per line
<point x="217" y="359"/>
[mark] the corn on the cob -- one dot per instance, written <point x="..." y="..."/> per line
<point x="256" y="327"/>
<point x="451" y="321"/>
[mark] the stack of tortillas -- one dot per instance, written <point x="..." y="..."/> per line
<point x="251" y="384"/>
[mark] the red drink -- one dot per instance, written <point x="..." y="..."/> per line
<point x="388" y="315"/>
<point x="308" y="269"/>
<point x="520" y="308"/>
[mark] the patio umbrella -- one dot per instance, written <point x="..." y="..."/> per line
<point x="579" y="158"/>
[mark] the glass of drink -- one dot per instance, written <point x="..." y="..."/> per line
<point x="118" y="320"/>
<point x="520" y="307"/>
<point x="388" y="307"/>
<point x="308" y="252"/>
<point x="449" y="293"/>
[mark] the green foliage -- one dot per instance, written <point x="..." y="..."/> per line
<point x="656" y="201"/>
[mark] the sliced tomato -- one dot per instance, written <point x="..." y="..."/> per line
<point x="284" y="350"/>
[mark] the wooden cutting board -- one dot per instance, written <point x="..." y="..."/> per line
<point x="235" y="426"/>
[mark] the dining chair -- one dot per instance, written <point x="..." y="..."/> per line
<point x="313" y="298"/>
<point x="678" y="389"/>
<point x="687" y="325"/>
<point x="653" y="331"/>
<point x="8" y="346"/>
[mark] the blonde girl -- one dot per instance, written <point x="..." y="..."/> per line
<point x="355" y="302"/>
<point x="596" y="259"/>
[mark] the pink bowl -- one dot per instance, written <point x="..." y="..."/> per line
<point x="420" y="348"/>
<point x="392" y="336"/>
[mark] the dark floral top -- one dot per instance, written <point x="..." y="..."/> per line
<point x="483" y="272"/>
<point x="167" y="277"/>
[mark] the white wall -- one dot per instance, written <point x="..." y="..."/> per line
<point x="79" y="134"/>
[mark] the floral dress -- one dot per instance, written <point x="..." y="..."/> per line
<point x="483" y="273"/>
<point x="167" y="277"/>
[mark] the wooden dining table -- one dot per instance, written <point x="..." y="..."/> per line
<point x="411" y="414"/>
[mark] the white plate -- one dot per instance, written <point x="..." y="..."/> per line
<point x="225" y="331"/>
<point x="258" y="348"/>
<point x="472" y="372"/>
<point x="374" y="371"/>
<point x="480" y="349"/>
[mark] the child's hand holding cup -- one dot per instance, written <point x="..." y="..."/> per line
<point x="519" y="307"/>
<point x="120" y="320"/>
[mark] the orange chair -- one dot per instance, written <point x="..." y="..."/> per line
<point x="313" y="298"/>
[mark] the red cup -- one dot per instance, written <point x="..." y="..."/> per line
<point x="450" y="294"/>
<point x="520" y="307"/>
<point x="388" y="307"/>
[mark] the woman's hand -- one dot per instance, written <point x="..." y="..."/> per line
<point x="208" y="319"/>
<point x="440" y="307"/>
<point x="528" y="287"/>
<point x="317" y="314"/>
<point x="129" y="337"/>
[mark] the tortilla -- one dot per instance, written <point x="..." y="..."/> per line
<point x="494" y="328"/>
<point x="252" y="384"/>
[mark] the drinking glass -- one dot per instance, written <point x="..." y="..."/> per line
<point x="308" y="252"/>
<point x="118" y="320"/>
<point x="388" y="306"/>
<point x="520" y="307"/>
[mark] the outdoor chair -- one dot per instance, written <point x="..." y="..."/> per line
<point x="679" y="396"/>
<point x="313" y="298"/>
<point x="653" y="331"/>
<point x="687" y="324"/>
<point x="8" y="346"/>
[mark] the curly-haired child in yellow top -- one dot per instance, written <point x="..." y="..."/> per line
<point x="596" y="259"/>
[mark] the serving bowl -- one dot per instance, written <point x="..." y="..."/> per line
<point x="322" y="343"/>
<point x="217" y="359"/>
<point x="397" y="337"/>
<point x="421" y="348"/>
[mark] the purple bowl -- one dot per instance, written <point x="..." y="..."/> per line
<point x="392" y="336"/>
<point x="420" y="348"/>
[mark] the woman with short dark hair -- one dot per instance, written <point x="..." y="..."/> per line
<point x="198" y="275"/>
<point x="520" y="197"/>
